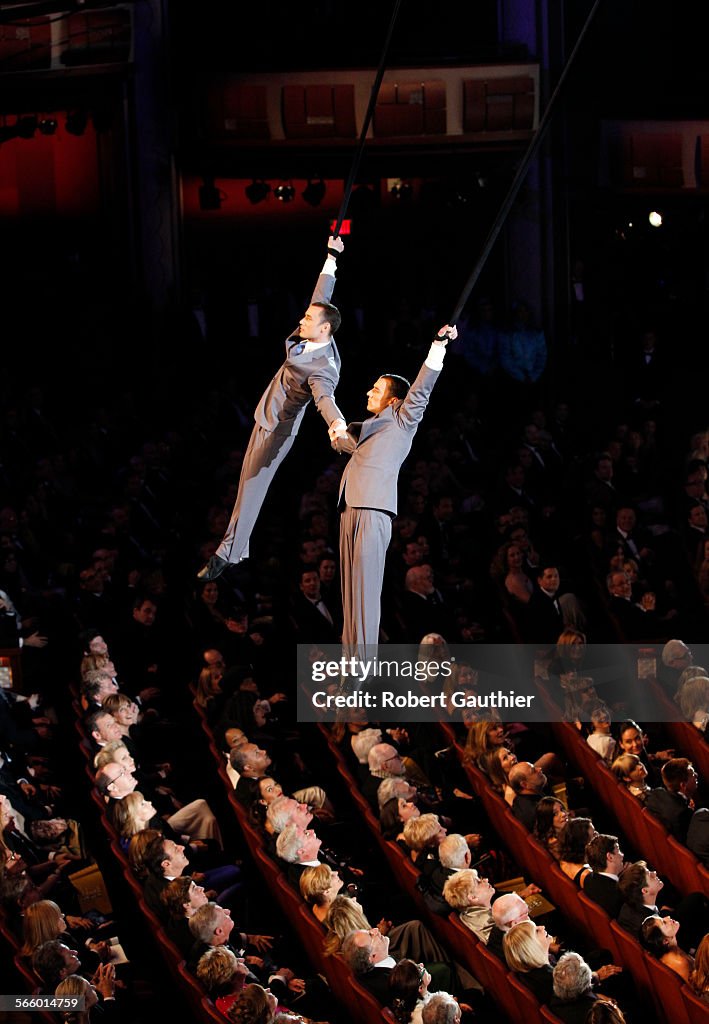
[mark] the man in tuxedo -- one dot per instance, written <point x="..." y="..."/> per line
<point x="671" y="802"/>
<point x="52" y="962"/>
<point x="299" y="848"/>
<point x="528" y="782"/>
<point x="605" y="858"/>
<point x="626" y="534"/>
<point x="368" y="490"/>
<point x="639" y="889"/>
<point x="314" y="622"/>
<point x="507" y="911"/>
<point x="637" y="622"/>
<point x="423" y="607"/>
<point x="544" y="617"/>
<point x="311" y="371"/>
<point x="367" y="955"/>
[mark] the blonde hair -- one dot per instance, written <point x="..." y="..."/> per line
<point x="478" y="738"/>
<point x="522" y="949"/>
<point x="459" y="890"/>
<point x="93" y="663"/>
<point x="216" y="967"/>
<point x="74" y="985"/>
<point x="207" y="688"/>
<point x="40" y="924"/>
<point x="623" y="765"/>
<point x="106" y="754"/>
<point x="123" y="814"/>
<point x="419" y="832"/>
<point x="693" y="696"/>
<point x="343" y="917"/>
<point x="314" y="882"/>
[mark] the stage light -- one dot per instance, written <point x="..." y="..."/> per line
<point x="210" y="197"/>
<point x="257" y="191"/>
<point x="26" y="126"/>
<point x="76" y="122"/>
<point x="401" y="189"/>
<point x="655" y="219"/>
<point x="314" y="191"/>
<point x="284" y="193"/>
<point x="47" y="125"/>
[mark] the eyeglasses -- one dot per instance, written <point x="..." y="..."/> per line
<point x="123" y="771"/>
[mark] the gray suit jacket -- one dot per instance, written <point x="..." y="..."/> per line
<point x="311" y="375"/>
<point x="371" y="476"/>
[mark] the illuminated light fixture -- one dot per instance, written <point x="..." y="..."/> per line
<point x="314" y="191"/>
<point x="655" y="219"/>
<point x="401" y="189"/>
<point x="210" y="197"/>
<point x="76" y="122"/>
<point x="284" y="193"/>
<point x="26" y="126"/>
<point x="47" y="125"/>
<point x="257" y="191"/>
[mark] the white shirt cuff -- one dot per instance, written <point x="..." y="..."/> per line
<point x="436" y="354"/>
<point x="329" y="266"/>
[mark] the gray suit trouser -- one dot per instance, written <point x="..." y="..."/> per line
<point x="364" y="538"/>
<point x="266" y="451"/>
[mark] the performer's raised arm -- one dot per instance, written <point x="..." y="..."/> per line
<point x="310" y="372"/>
<point x="325" y="284"/>
<point x="416" y="400"/>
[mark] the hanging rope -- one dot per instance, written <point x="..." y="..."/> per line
<point x="356" y="160"/>
<point x="521" y="171"/>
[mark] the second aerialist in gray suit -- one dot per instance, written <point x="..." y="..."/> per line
<point x="311" y="371"/>
<point x="368" y="492"/>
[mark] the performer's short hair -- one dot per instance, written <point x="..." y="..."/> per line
<point x="398" y="386"/>
<point x="331" y="314"/>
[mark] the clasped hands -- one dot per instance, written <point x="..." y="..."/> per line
<point x="340" y="440"/>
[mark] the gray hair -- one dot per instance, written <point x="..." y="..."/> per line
<point x="363" y="742"/>
<point x="379" y="754"/>
<point x="288" y="844"/>
<point x="572" y="977"/>
<point x="453" y="851"/>
<point x="204" y="921"/>
<point x="238" y="757"/>
<point x="358" y="958"/>
<point x="390" y="788"/>
<point x="279" y="813"/>
<point x="441" y="1008"/>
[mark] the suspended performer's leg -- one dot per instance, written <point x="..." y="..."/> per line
<point x="364" y="538"/>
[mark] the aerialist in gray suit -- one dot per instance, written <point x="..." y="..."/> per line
<point x="311" y="371"/>
<point x="377" y="449"/>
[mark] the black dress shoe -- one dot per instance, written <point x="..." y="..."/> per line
<point x="214" y="567"/>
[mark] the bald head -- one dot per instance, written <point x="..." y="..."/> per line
<point x="509" y="910"/>
<point x="525" y="777"/>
